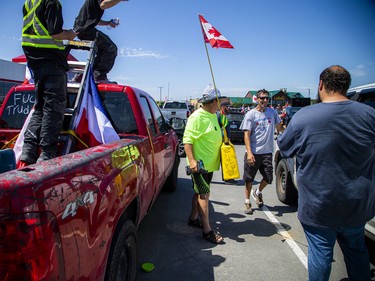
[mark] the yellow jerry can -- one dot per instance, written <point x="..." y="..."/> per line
<point x="229" y="164"/>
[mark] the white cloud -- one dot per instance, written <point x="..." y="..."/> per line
<point x="139" y="53"/>
<point x="358" y="71"/>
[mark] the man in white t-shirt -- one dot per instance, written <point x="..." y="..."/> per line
<point x="259" y="126"/>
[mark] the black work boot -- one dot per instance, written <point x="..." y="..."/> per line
<point x="47" y="153"/>
<point x="29" y="154"/>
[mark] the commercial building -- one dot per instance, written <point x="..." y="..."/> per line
<point x="11" y="74"/>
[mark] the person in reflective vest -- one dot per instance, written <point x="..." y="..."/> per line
<point x="42" y="36"/>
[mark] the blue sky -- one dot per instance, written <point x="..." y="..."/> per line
<point x="278" y="43"/>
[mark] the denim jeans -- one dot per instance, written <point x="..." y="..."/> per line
<point x="320" y="254"/>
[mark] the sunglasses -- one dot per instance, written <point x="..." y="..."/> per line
<point x="263" y="98"/>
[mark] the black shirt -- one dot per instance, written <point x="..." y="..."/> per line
<point x="88" y="17"/>
<point x="50" y="14"/>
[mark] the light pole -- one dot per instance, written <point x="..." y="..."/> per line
<point x="160" y="92"/>
<point x="168" y="90"/>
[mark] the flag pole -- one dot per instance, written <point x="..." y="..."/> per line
<point x="226" y="140"/>
<point x="212" y="74"/>
<point x="209" y="63"/>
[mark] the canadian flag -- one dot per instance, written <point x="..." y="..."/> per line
<point x="212" y="36"/>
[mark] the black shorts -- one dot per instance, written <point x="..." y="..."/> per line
<point x="263" y="163"/>
<point x="201" y="182"/>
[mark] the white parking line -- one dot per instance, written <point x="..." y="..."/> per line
<point x="281" y="230"/>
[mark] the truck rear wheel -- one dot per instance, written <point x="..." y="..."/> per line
<point x="181" y="147"/>
<point x="171" y="183"/>
<point x="285" y="189"/>
<point x="122" y="261"/>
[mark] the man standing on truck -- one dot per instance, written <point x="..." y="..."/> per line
<point x="259" y="125"/>
<point x="333" y="142"/>
<point x="202" y="139"/>
<point x="42" y="36"/>
<point x="88" y="18"/>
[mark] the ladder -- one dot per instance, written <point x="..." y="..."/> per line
<point x="76" y="90"/>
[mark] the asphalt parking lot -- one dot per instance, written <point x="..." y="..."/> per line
<point x="268" y="245"/>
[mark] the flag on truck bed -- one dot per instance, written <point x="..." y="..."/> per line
<point x="19" y="142"/>
<point x="92" y="124"/>
<point x="213" y="36"/>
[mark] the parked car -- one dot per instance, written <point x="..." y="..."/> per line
<point x="286" y="183"/>
<point x="178" y="125"/>
<point x="296" y="104"/>
<point x="366" y="95"/>
<point x="179" y="109"/>
<point x="235" y="120"/>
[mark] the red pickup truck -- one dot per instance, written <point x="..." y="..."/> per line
<point x="75" y="217"/>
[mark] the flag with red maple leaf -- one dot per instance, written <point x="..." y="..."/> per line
<point x="213" y="36"/>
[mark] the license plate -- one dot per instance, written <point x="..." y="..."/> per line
<point x="233" y="126"/>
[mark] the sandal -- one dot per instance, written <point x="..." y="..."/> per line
<point x="213" y="237"/>
<point x="195" y="223"/>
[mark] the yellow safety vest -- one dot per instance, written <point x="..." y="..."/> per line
<point x="34" y="34"/>
<point x="223" y="120"/>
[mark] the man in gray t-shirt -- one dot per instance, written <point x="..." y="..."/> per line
<point x="259" y="127"/>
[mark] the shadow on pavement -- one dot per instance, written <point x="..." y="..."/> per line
<point x="177" y="250"/>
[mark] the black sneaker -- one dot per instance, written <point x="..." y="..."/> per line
<point x="258" y="199"/>
<point x="77" y="78"/>
<point x="104" y="81"/>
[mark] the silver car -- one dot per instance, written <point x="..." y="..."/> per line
<point x="365" y="94"/>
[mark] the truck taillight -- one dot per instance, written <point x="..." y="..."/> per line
<point x="30" y="248"/>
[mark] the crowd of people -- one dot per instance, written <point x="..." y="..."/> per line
<point x="335" y="174"/>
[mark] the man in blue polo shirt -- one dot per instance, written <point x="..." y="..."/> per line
<point x="333" y="142"/>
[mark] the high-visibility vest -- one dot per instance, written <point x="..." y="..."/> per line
<point x="223" y="120"/>
<point x="34" y="33"/>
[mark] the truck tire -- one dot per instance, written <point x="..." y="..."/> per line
<point x="285" y="189"/>
<point x="180" y="147"/>
<point x="122" y="260"/>
<point x="171" y="182"/>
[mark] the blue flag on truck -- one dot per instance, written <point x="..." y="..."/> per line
<point x="92" y="124"/>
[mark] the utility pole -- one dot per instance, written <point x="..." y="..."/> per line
<point x="160" y="93"/>
<point x="168" y="90"/>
